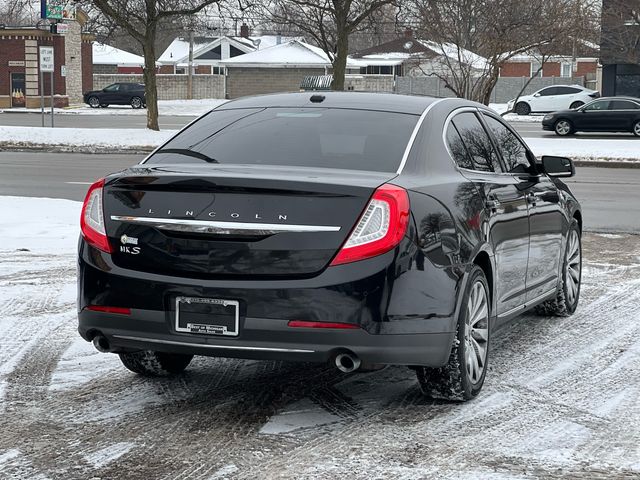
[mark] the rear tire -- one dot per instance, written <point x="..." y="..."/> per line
<point x="155" y="364"/>
<point x="136" y="102"/>
<point x="463" y="376"/>
<point x="636" y="128"/>
<point x="576" y="104"/>
<point x="523" y="108"/>
<point x="568" y="295"/>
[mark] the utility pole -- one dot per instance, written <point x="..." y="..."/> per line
<point x="190" y="73"/>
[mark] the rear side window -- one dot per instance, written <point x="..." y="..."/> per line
<point x="477" y="143"/>
<point x="623" y="105"/>
<point x="306" y="137"/>
<point x="567" y="91"/>
<point x="514" y="153"/>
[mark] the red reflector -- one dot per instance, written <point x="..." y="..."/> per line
<point x="303" y="324"/>
<point x="102" y="308"/>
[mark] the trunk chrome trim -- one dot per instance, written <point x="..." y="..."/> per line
<point x="222" y="228"/>
<point x="217" y="347"/>
<point x="414" y="134"/>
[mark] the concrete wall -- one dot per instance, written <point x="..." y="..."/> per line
<point x="73" y="62"/>
<point x="506" y="88"/>
<point x="369" y="83"/>
<point x="243" y="81"/>
<point x="171" y="87"/>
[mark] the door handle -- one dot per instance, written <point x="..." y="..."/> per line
<point x="532" y="198"/>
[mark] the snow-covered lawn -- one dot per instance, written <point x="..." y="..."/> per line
<point x="512" y="117"/>
<point x="88" y="138"/>
<point x="165" y="107"/>
<point x="585" y="149"/>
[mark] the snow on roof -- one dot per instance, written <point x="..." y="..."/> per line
<point x="179" y="48"/>
<point x="456" y="53"/>
<point x="290" y="53"/>
<point x="382" y="60"/>
<point x="108" y="55"/>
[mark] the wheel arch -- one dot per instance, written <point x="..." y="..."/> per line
<point x="577" y="214"/>
<point x="483" y="261"/>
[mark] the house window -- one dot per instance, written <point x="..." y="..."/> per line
<point x="567" y="70"/>
<point x="536" y="71"/>
<point x="181" y="70"/>
<point x="376" y="70"/>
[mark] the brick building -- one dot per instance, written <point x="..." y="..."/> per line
<point x="19" y="65"/>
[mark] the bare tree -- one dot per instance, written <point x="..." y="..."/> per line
<point x="18" y="12"/>
<point x="141" y="20"/>
<point x="328" y="23"/>
<point x="475" y="38"/>
<point x="621" y="31"/>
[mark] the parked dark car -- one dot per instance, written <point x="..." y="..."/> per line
<point x="607" y="114"/>
<point x="357" y="229"/>
<point x="117" y="94"/>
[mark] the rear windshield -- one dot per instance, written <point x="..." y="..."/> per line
<point x="308" y="137"/>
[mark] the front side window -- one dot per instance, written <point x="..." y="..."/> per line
<point x="304" y="137"/>
<point x="112" y="88"/>
<point x="546" y="92"/>
<point x="475" y="139"/>
<point x="597" y="106"/>
<point x="514" y="153"/>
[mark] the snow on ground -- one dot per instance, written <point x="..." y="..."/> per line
<point x="560" y="400"/>
<point x="181" y="108"/>
<point x="512" y="117"/>
<point x="626" y="148"/>
<point x="92" y="139"/>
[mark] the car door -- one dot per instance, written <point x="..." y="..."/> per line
<point x="593" y="116"/>
<point x="546" y="219"/>
<point x="544" y="100"/>
<point x="110" y="94"/>
<point x="505" y="207"/>
<point x="622" y="113"/>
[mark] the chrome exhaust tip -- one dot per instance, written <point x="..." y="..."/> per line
<point x="347" y="363"/>
<point x="101" y="343"/>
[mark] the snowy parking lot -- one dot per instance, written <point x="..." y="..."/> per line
<point x="560" y="401"/>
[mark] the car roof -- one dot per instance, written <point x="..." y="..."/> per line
<point x="633" y="99"/>
<point x="388" y="102"/>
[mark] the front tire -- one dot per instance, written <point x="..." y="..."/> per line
<point x="94" y="102"/>
<point x="155" y="364"/>
<point x="563" y="127"/>
<point x="568" y="295"/>
<point x="636" y="128"/>
<point x="463" y="376"/>
<point x="136" y="102"/>
<point x="523" y="108"/>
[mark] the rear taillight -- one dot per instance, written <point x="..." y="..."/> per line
<point x="105" y="309"/>
<point x="380" y="228"/>
<point x="92" y="218"/>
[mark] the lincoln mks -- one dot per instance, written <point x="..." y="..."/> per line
<point x="356" y="229"/>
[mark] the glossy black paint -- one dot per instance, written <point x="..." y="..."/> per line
<point x="609" y="119"/>
<point x="406" y="301"/>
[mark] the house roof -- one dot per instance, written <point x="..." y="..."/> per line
<point x="108" y="55"/>
<point x="178" y="51"/>
<point x="289" y="54"/>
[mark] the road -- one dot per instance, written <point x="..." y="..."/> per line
<point x="526" y="129"/>
<point x="610" y="196"/>
<point x="560" y="400"/>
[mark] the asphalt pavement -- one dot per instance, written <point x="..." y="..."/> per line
<point x="610" y="196"/>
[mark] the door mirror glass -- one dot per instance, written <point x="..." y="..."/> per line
<point x="558" y="166"/>
<point x="536" y="95"/>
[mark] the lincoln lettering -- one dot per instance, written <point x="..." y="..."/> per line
<point x="234" y="215"/>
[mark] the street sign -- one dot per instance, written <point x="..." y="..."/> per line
<point x="58" y="9"/>
<point x="46" y="59"/>
<point x="63" y="70"/>
<point x="62" y="28"/>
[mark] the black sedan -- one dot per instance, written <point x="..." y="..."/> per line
<point x="608" y="114"/>
<point x="117" y="94"/>
<point x="357" y="229"/>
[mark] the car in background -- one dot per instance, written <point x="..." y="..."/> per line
<point x="117" y="94"/>
<point x="357" y="229"/>
<point x="553" y="98"/>
<point x="607" y="114"/>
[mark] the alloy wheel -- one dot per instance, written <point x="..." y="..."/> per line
<point x="94" y="102"/>
<point x="636" y="129"/>
<point x="136" y="102"/>
<point x="476" y="334"/>
<point x="563" y="127"/>
<point x="572" y="268"/>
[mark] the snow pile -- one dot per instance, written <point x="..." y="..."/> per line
<point x="91" y="138"/>
<point x="41" y="225"/>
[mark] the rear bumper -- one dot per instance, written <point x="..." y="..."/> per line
<point x="265" y="339"/>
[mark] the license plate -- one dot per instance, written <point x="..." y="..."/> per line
<point x="208" y="316"/>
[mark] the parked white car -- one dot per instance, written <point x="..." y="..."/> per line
<point x="553" y="98"/>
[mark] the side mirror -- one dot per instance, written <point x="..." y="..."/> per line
<point x="536" y="95"/>
<point x="558" y="166"/>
